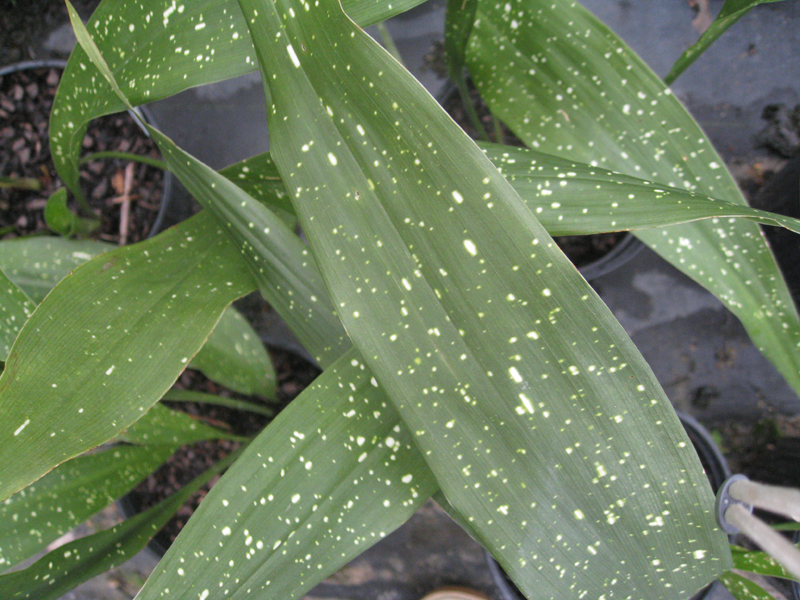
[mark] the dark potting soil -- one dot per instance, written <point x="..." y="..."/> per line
<point x="25" y="24"/>
<point x="580" y="249"/>
<point x="26" y="98"/>
<point x="294" y="374"/>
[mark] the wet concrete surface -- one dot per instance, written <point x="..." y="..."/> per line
<point x="699" y="352"/>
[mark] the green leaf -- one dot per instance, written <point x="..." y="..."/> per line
<point x="305" y="497"/>
<point x="62" y="220"/>
<point x="744" y="589"/>
<point x="70" y="494"/>
<point x="731" y="11"/>
<point x="163" y="426"/>
<point x="568" y="86"/>
<point x="15" y="308"/>
<point x="162" y="49"/>
<point x="568" y="197"/>
<point x="279" y="261"/>
<point x="511" y="373"/>
<point x="37" y="264"/>
<point x="202" y="397"/>
<point x="235" y="357"/>
<point x="258" y="177"/>
<point x="71" y="564"/>
<point x="281" y="264"/>
<point x="571" y="198"/>
<point x="758" y="562"/>
<point x="116" y="332"/>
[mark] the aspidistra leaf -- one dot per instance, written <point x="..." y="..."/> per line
<point x="571" y="198"/>
<point x="75" y="562"/>
<point x="108" y="341"/>
<point x="567" y="85"/>
<point x="286" y="275"/>
<point x="37" y="264"/>
<point x="731" y="12"/>
<point x="70" y="494"/>
<point x="15" y="308"/>
<point x="759" y="562"/>
<point x="163" y="426"/>
<point x="162" y="48"/>
<point x="307" y="496"/>
<point x="743" y="589"/>
<point x="461" y="305"/>
<point x="235" y="357"/>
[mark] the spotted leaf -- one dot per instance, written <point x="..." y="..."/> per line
<point x="509" y="371"/>
<point x="161" y="47"/>
<point x="569" y="86"/>
<point x="108" y="341"/>
<point x="73" y="563"/>
<point x="307" y="496"/>
<point x="15" y="308"/>
<point x="70" y="494"/>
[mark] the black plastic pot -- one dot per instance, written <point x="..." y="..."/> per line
<point x="168" y="208"/>
<point x="717" y="471"/>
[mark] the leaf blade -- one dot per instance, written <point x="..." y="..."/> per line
<point x="70" y="494"/>
<point x="15" y="308"/>
<point x="365" y="478"/>
<point x="578" y="92"/>
<point x="730" y="13"/>
<point x="93" y="339"/>
<point x="235" y="357"/>
<point x="392" y="187"/>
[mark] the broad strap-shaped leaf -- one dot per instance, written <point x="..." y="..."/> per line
<point x="743" y="589"/>
<point x="307" y="496"/>
<point x="161" y="47"/>
<point x="108" y="342"/>
<point x="758" y="562"/>
<point x="37" y="264"/>
<point x="258" y="176"/>
<point x="68" y="566"/>
<point x="15" y="308"/>
<point x="731" y="12"/>
<point x="569" y="86"/>
<point x="235" y="357"/>
<point x="510" y="372"/>
<point x="70" y="494"/>
<point x="162" y="426"/>
<point x="571" y="198"/>
<point x="286" y="274"/>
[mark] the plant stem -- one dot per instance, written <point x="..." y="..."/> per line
<point x="153" y="162"/>
<point x="201" y="397"/>
<point x="388" y="42"/>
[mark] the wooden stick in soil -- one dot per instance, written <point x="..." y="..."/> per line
<point x="125" y="201"/>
